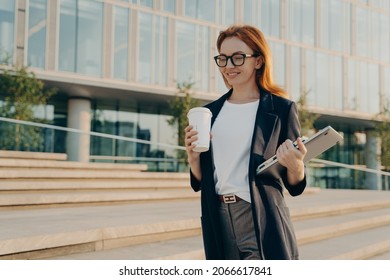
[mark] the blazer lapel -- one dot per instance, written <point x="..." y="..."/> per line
<point x="267" y="126"/>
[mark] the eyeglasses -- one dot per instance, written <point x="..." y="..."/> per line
<point x="236" y="59"/>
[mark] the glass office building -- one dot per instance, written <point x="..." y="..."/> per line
<point x="120" y="61"/>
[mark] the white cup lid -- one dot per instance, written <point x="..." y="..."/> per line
<point x="199" y="109"/>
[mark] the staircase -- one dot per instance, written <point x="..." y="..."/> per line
<point x="51" y="208"/>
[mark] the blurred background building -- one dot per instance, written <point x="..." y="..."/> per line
<point x="117" y="63"/>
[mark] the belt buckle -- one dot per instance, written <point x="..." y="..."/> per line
<point x="229" y="198"/>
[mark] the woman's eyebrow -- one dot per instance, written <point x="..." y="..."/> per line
<point x="237" y="52"/>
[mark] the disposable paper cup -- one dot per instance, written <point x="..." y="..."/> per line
<point x="200" y="119"/>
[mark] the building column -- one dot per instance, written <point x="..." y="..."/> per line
<point x="373" y="161"/>
<point x="79" y="117"/>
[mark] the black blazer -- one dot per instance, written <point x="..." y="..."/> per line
<point x="276" y="121"/>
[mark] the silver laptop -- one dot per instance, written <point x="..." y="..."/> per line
<point x="315" y="145"/>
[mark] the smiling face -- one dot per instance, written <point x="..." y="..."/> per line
<point x="239" y="76"/>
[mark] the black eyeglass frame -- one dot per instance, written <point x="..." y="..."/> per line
<point x="243" y="55"/>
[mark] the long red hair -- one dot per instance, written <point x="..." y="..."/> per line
<point x="254" y="39"/>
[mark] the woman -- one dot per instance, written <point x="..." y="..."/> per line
<point x="244" y="216"/>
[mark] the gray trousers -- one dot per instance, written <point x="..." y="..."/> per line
<point x="238" y="232"/>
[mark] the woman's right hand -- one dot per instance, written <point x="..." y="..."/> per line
<point x="191" y="136"/>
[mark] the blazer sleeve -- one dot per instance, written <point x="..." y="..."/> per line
<point x="195" y="184"/>
<point x="293" y="132"/>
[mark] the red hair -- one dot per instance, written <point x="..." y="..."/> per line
<point x="255" y="40"/>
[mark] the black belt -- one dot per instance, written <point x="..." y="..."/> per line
<point x="229" y="198"/>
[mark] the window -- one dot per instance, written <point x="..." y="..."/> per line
<point x="302" y="15"/>
<point x="362" y="32"/>
<point x="152" y="64"/>
<point x="201" y="9"/>
<point x="364" y="94"/>
<point x="226" y="10"/>
<point x="295" y="72"/>
<point x="37" y="33"/>
<point x="270" y="17"/>
<point x="121" y="43"/>
<point x="170" y="6"/>
<point x="335" y="25"/>
<point x="279" y="62"/>
<point x="328" y="83"/>
<point x="7" y="29"/>
<point x="81" y="35"/>
<point x="193" y="55"/>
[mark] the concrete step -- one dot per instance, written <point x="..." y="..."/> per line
<point x="49" y="164"/>
<point x="32" y="155"/>
<point x="188" y="248"/>
<point x="61" y="198"/>
<point x="78" y="229"/>
<point x="71" y="231"/>
<point x="24" y="173"/>
<point x="353" y="246"/>
<point x="384" y="256"/>
<point x="154" y="181"/>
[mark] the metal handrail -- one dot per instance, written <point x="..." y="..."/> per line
<point x="99" y="134"/>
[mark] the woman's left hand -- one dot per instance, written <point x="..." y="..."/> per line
<point x="292" y="158"/>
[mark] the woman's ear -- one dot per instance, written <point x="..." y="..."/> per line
<point x="259" y="62"/>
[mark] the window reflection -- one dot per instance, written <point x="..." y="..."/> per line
<point x="37" y="33"/>
<point x="363" y="93"/>
<point x="185" y="42"/>
<point x="279" y="64"/>
<point x="7" y="19"/>
<point x="335" y="25"/>
<point x="302" y="21"/>
<point x="361" y="32"/>
<point x="270" y="17"/>
<point x="201" y="9"/>
<point x="295" y="72"/>
<point x="384" y="37"/>
<point x="193" y="54"/>
<point x="153" y="40"/>
<point x="130" y="124"/>
<point x="121" y="39"/>
<point x="81" y="31"/>
<point x="170" y="6"/>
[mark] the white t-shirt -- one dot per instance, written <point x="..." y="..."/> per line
<point x="231" y="142"/>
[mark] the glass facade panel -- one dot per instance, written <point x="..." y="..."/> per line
<point x="386" y="86"/>
<point x="200" y="9"/>
<point x="185" y="52"/>
<point x="152" y="66"/>
<point x="329" y="82"/>
<point x="295" y="72"/>
<point x="384" y="35"/>
<point x="335" y="22"/>
<point x="81" y="33"/>
<point x="67" y="36"/>
<point x="121" y="42"/>
<point x="302" y="17"/>
<point x="375" y="36"/>
<point x="193" y="54"/>
<point x="146" y="3"/>
<point x="7" y="30"/>
<point x="362" y="32"/>
<point x="310" y="88"/>
<point x="364" y="93"/>
<point x="229" y="16"/>
<point x="248" y="12"/>
<point x="146" y="55"/>
<point x="202" y="59"/>
<point x="279" y="62"/>
<point x="352" y="100"/>
<point x="270" y="17"/>
<point x="170" y="6"/>
<point x="37" y="33"/>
